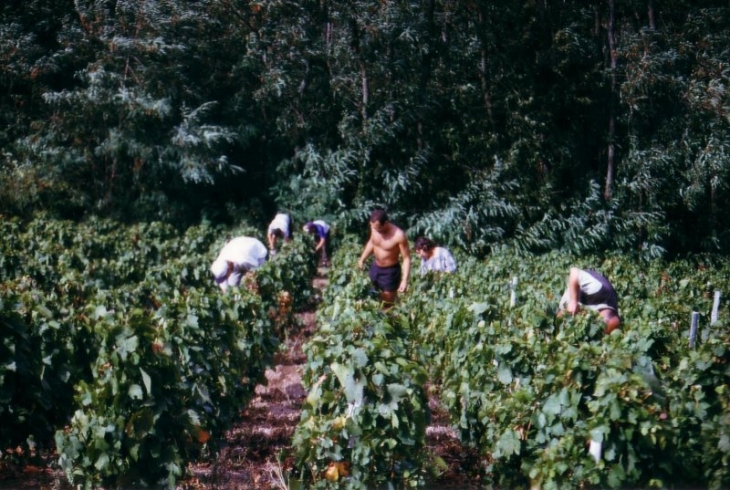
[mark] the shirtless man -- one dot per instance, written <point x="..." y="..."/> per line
<point x="387" y="242"/>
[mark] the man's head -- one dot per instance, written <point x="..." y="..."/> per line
<point x="424" y="247"/>
<point x="378" y="216"/>
<point x="378" y="220"/>
<point x="611" y="319"/>
<point x="277" y="233"/>
<point x="308" y="227"/>
<point x="423" y="243"/>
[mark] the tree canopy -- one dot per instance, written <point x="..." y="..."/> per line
<point x="536" y="125"/>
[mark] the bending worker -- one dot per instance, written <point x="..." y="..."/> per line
<point x="238" y="257"/>
<point x="593" y="291"/>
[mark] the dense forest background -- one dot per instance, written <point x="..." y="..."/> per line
<point x="581" y="125"/>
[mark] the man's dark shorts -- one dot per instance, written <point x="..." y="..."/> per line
<point x="385" y="278"/>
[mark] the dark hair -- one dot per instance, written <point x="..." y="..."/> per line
<point x="378" y="215"/>
<point x="423" y="243"/>
<point x="277" y="232"/>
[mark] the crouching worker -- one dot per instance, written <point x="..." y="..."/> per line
<point x="238" y="256"/>
<point x="280" y="227"/>
<point x="321" y="231"/>
<point x="433" y="257"/>
<point x="591" y="290"/>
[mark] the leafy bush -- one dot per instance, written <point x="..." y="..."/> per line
<point x="164" y="383"/>
<point x="532" y="392"/>
<point x="126" y="349"/>
<point x="28" y="387"/>
<point x="365" y="418"/>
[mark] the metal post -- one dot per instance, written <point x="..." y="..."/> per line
<point x="693" y="328"/>
<point x="595" y="449"/>
<point x="715" y="307"/>
<point x="513" y="292"/>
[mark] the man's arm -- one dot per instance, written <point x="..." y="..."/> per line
<point x="224" y="284"/>
<point x="405" y="251"/>
<point x="365" y="254"/>
<point x="573" y="290"/>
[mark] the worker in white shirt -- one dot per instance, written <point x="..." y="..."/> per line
<point x="238" y="256"/>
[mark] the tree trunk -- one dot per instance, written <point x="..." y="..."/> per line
<point x="484" y="71"/>
<point x="426" y="63"/>
<point x="611" y="162"/>
<point x="363" y="70"/>
<point x="365" y="91"/>
<point x="542" y="12"/>
<point x="650" y="14"/>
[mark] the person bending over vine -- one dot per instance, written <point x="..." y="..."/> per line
<point x="591" y="290"/>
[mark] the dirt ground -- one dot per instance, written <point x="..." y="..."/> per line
<point x="251" y="455"/>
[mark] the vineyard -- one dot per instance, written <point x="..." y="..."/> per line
<point x="119" y="353"/>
